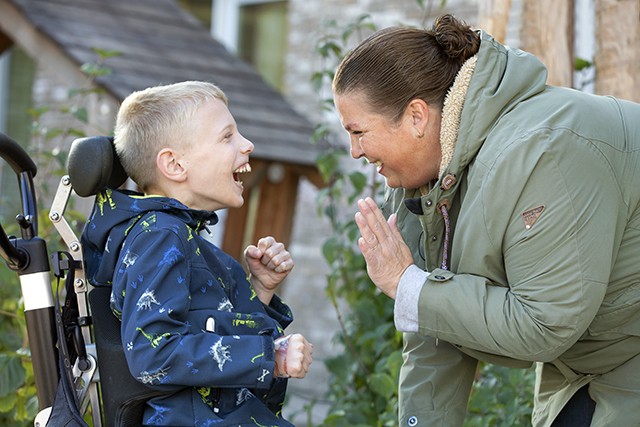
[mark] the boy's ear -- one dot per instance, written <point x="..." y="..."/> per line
<point x="170" y="166"/>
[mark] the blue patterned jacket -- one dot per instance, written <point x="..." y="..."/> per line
<point x="191" y="322"/>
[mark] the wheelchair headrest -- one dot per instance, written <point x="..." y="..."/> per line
<point x="93" y="164"/>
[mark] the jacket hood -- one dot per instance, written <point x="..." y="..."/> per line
<point x="498" y="84"/>
<point x="114" y="213"/>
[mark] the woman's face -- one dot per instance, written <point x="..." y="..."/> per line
<point x="406" y="153"/>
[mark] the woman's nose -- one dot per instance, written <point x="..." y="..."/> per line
<point x="356" y="149"/>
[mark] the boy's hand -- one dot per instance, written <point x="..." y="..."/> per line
<point x="293" y="356"/>
<point x="269" y="263"/>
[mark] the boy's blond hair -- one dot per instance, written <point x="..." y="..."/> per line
<point x="155" y="118"/>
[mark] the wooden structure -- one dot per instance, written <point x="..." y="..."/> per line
<point x="159" y="43"/>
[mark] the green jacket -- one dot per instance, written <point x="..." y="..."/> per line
<point x="543" y="194"/>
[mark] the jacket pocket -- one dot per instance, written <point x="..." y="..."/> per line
<point x="619" y="313"/>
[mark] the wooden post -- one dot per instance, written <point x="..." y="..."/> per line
<point x="617" y="55"/>
<point x="270" y="197"/>
<point x="494" y="17"/>
<point x="547" y="32"/>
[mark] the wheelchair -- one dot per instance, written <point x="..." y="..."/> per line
<point x="76" y="349"/>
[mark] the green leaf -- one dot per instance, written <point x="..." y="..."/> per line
<point x="383" y="384"/>
<point x="331" y="249"/>
<point x="581" y="64"/>
<point x="12" y="374"/>
<point x="104" y="53"/>
<point x="81" y="114"/>
<point x="328" y="164"/>
<point x="320" y="132"/>
<point x="358" y="180"/>
<point x="94" y="70"/>
<point x="8" y="402"/>
<point x="394" y="362"/>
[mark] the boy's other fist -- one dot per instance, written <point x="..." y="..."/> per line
<point x="293" y="356"/>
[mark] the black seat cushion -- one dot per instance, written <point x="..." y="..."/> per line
<point x="123" y="397"/>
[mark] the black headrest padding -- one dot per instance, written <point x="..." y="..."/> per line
<point x="93" y="164"/>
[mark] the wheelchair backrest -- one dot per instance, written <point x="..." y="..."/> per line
<point x="93" y="165"/>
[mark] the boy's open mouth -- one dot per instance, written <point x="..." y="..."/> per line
<point x="242" y="169"/>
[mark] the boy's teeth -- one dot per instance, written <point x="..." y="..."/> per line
<point x="243" y="169"/>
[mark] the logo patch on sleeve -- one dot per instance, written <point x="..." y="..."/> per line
<point x="530" y="216"/>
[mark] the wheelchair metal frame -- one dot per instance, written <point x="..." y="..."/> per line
<point x="28" y="257"/>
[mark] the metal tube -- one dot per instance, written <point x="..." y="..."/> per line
<point x="40" y="318"/>
<point x="42" y="339"/>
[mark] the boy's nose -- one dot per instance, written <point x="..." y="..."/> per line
<point x="247" y="146"/>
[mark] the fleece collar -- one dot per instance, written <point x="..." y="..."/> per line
<point x="451" y="111"/>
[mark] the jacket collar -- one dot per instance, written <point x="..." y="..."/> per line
<point x="452" y="110"/>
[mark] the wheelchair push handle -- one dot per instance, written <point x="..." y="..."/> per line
<point x="27" y="256"/>
<point x="25" y="169"/>
<point x="15" y="156"/>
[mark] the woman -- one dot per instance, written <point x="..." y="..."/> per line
<point x="513" y="227"/>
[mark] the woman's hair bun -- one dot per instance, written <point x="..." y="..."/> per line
<point x="457" y="40"/>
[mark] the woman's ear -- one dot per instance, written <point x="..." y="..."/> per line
<point x="170" y="166"/>
<point x="418" y="111"/>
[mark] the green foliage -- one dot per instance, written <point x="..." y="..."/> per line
<point x="363" y="383"/>
<point x="501" y="397"/>
<point x="18" y="401"/>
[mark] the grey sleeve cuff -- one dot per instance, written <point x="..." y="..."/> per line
<point x="407" y="296"/>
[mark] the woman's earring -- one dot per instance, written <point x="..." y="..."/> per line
<point x="420" y="134"/>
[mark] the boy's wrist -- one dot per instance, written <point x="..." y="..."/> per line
<point x="264" y="294"/>
<point x="281" y="345"/>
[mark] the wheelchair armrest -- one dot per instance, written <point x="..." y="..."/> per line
<point x="93" y="164"/>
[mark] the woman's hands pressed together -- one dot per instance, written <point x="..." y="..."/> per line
<point x="384" y="249"/>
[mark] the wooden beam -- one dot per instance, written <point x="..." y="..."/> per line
<point x="268" y="209"/>
<point x="276" y="207"/>
<point x="38" y="46"/>
<point x="5" y="42"/>
<point x="312" y="174"/>
<point x="232" y="240"/>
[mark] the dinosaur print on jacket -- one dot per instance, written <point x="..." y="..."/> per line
<point x="190" y="319"/>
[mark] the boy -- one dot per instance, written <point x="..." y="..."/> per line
<point x="192" y="321"/>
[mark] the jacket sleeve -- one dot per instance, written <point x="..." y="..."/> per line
<point x="533" y="251"/>
<point x="162" y="347"/>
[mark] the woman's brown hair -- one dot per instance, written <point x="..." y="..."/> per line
<point x="395" y="65"/>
